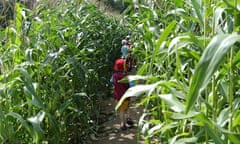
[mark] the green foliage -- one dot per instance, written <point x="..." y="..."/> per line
<point x="55" y="69"/>
<point x="56" y="62"/>
<point x="188" y="52"/>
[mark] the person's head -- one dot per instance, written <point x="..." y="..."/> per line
<point x="120" y="65"/>
<point x="127" y="37"/>
<point x="124" y="42"/>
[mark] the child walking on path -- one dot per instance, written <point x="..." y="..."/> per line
<point x="119" y="90"/>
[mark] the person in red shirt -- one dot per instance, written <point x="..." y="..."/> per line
<point x="120" y="69"/>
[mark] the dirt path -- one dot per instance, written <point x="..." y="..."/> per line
<point x="111" y="134"/>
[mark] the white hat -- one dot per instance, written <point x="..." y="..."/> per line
<point x="128" y="37"/>
<point x="124" y="42"/>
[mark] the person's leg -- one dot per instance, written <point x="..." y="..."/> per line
<point x="122" y="120"/>
<point x="122" y="114"/>
<point x="129" y="121"/>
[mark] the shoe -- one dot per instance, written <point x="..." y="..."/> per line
<point x="130" y="122"/>
<point x="123" y="128"/>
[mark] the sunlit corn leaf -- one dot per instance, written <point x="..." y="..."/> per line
<point x="133" y="78"/>
<point x="177" y="140"/>
<point x="184" y="116"/>
<point x="178" y="42"/>
<point x="177" y="11"/>
<point x="224" y="89"/>
<point x="36" y="121"/>
<point x="187" y="140"/>
<point x="142" y="119"/>
<point x="218" y="13"/>
<point x="223" y="117"/>
<point x="172" y="102"/>
<point x="136" y="91"/>
<point x="145" y="127"/>
<point x="211" y="58"/>
<point x="155" y="129"/>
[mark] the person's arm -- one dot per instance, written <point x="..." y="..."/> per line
<point x="131" y="83"/>
<point x="111" y="79"/>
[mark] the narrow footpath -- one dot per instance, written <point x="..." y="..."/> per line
<point x="111" y="134"/>
<point x="110" y="129"/>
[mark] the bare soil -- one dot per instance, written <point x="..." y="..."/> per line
<point x="110" y="129"/>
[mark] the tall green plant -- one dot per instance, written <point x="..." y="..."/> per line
<point x="190" y="93"/>
<point x="53" y="72"/>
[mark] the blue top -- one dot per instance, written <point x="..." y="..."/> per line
<point x="124" y="51"/>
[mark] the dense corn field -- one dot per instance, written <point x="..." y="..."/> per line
<point x="56" y="61"/>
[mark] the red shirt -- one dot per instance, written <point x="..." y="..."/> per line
<point x="119" y="88"/>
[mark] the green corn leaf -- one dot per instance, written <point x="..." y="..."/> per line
<point x="21" y="120"/>
<point x="137" y="90"/>
<point x="210" y="60"/>
<point x="187" y="140"/>
<point x="36" y="121"/>
<point x="210" y="128"/>
<point x="217" y="18"/>
<point x="155" y="129"/>
<point x="25" y="74"/>
<point x="173" y="102"/>
<point x="236" y="121"/>
<point x="234" y="138"/>
<point x="177" y="140"/>
<point x="223" y="117"/>
<point x="133" y="78"/>
<point x="197" y="9"/>
<point x="163" y="36"/>
<point x="184" y="116"/>
<point x="231" y="136"/>
<point x="30" y="88"/>
<point x="18" y="24"/>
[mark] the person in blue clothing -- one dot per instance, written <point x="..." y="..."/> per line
<point x="127" y="53"/>
<point x="124" y="49"/>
